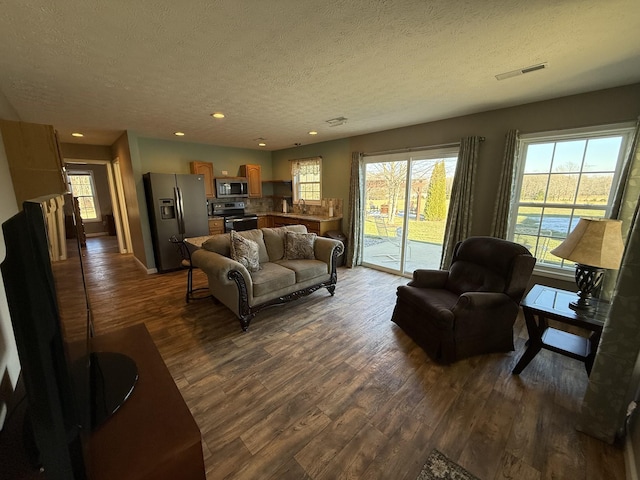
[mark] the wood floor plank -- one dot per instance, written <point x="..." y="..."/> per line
<point x="329" y="388"/>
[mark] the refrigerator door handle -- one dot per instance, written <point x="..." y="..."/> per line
<point x="180" y="205"/>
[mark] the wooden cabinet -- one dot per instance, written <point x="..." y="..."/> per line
<point x="153" y="435"/>
<point x="265" y="221"/>
<point x="216" y="225"/>
<point x="313" y="226"/>
<point x="34" y="159"/>
<point x="205" y="169"/>
<point x="254" y="176"/>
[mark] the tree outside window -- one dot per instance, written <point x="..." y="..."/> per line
<point x="83" y="188"/>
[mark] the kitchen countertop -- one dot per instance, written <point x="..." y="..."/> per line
<point x="314" y="218"/>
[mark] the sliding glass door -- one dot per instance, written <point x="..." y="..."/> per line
<point x="406" y="202"/>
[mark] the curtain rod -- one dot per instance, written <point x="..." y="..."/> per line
<point x="415" y="149"/>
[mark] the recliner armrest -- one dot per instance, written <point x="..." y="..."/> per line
<point x="424" y="278"/>
<point x="482" y="300"/>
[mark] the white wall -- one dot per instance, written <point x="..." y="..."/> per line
<point x="9" y="364"/>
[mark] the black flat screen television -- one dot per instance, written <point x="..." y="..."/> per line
<point x="70" y="389"/>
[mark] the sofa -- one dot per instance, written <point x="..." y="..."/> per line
<point x="250" y="270"/>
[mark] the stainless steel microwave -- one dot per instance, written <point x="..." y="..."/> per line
<point x="228" y="187"/>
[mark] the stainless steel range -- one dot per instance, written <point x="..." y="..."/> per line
<point x="234" y="216"/>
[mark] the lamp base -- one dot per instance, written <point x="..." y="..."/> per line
<point x="582" y="307"/>
<point x="588" y="279"/>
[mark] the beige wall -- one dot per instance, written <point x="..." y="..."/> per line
<point x="121" y="150"/>
<point x="595" y="108"/>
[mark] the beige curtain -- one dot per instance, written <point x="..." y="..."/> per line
<point x="503" y="198"/>
<point x="356" y="212"/>
<point x="461" y="203"/>
<point x="624" y="203"/>
<point x="614" y="382"/>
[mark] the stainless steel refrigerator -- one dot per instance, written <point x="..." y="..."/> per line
<point x="177" y="207"/>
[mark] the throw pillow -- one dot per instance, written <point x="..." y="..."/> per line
<point x="245" y="251"/>
<point x="299" y="246"/>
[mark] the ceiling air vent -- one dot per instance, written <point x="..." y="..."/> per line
<point x="522" y="71"/>
<point x="334" y="122"/>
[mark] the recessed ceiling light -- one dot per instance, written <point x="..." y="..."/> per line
<point x="179" y="134"/>
<point x="77" y="134"/>
<point x="217" y="115"/>
<point x="262" y="144"/>
<point x="313" y="132"/>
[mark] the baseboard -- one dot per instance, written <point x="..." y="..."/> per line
<point x="144" y="267"/>
<point x="630" y="465"/>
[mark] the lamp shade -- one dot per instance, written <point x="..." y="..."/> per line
<point x="595" y="241"/>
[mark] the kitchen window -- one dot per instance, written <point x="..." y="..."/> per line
<point x="306" y="174"/>
<point x="562" y="176"/>
<point x="83" y="188"/>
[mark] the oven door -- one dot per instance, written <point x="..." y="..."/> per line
<point x="240" y="223"/>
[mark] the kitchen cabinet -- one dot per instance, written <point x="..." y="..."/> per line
<point x="206" y="170"/>
<point x="265" y="221"/>
<point x="34" y="159"/>
<point x="254" y="176"/>
<point x="216" y="225"/>
<point x="314" y="225"/>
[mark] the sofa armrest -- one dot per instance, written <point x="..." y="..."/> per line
<point x="217" y="268"/>
<point x="424" y="278"/>
<point x="324" y="247"/>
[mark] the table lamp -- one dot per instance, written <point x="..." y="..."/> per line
<point x="595" y="245"/>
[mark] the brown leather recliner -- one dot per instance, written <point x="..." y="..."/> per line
<point x="471" y="308"/>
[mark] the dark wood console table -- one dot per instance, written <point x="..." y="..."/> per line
<point x="153" y="435"/>
<point x="544" y="303"/>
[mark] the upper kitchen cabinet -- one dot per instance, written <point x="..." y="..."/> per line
<point x="206" y="170"/>
<point x="254" y="176"/>
<point x="34" y="159"/>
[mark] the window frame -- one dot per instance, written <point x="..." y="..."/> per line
<point x="567" y="269"/>
<point x="96" y="202"/>
<point x="295" y="182"/>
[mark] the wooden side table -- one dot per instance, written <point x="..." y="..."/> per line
<point x="544" y="303"/>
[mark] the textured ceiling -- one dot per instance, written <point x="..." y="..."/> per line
<point x="281" y="68"/>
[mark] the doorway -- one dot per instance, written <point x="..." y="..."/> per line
<point x="113" y="217"/>
<point x="406" y="205"/>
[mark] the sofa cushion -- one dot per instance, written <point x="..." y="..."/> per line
<point x="222" y="243"/>
<point x="272" y="277"/>
<point x="245" y="251"/>
<point x="274" y="240"/>
<point x="299" y="246"/>
<point x="306" y="269"/>
<point x="219" y="244"/>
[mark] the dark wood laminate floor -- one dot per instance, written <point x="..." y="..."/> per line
<point x="329" y="388"/>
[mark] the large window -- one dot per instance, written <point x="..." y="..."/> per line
<point x="306" y="174"/>
<point x="83" y="188"/>
<point x="561" y="177"/>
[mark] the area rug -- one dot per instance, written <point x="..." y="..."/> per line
<point x="439" y="467"/>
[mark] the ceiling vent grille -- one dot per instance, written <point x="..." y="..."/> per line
<point x="334" y="122"/>
<point x="522" y="71"/>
